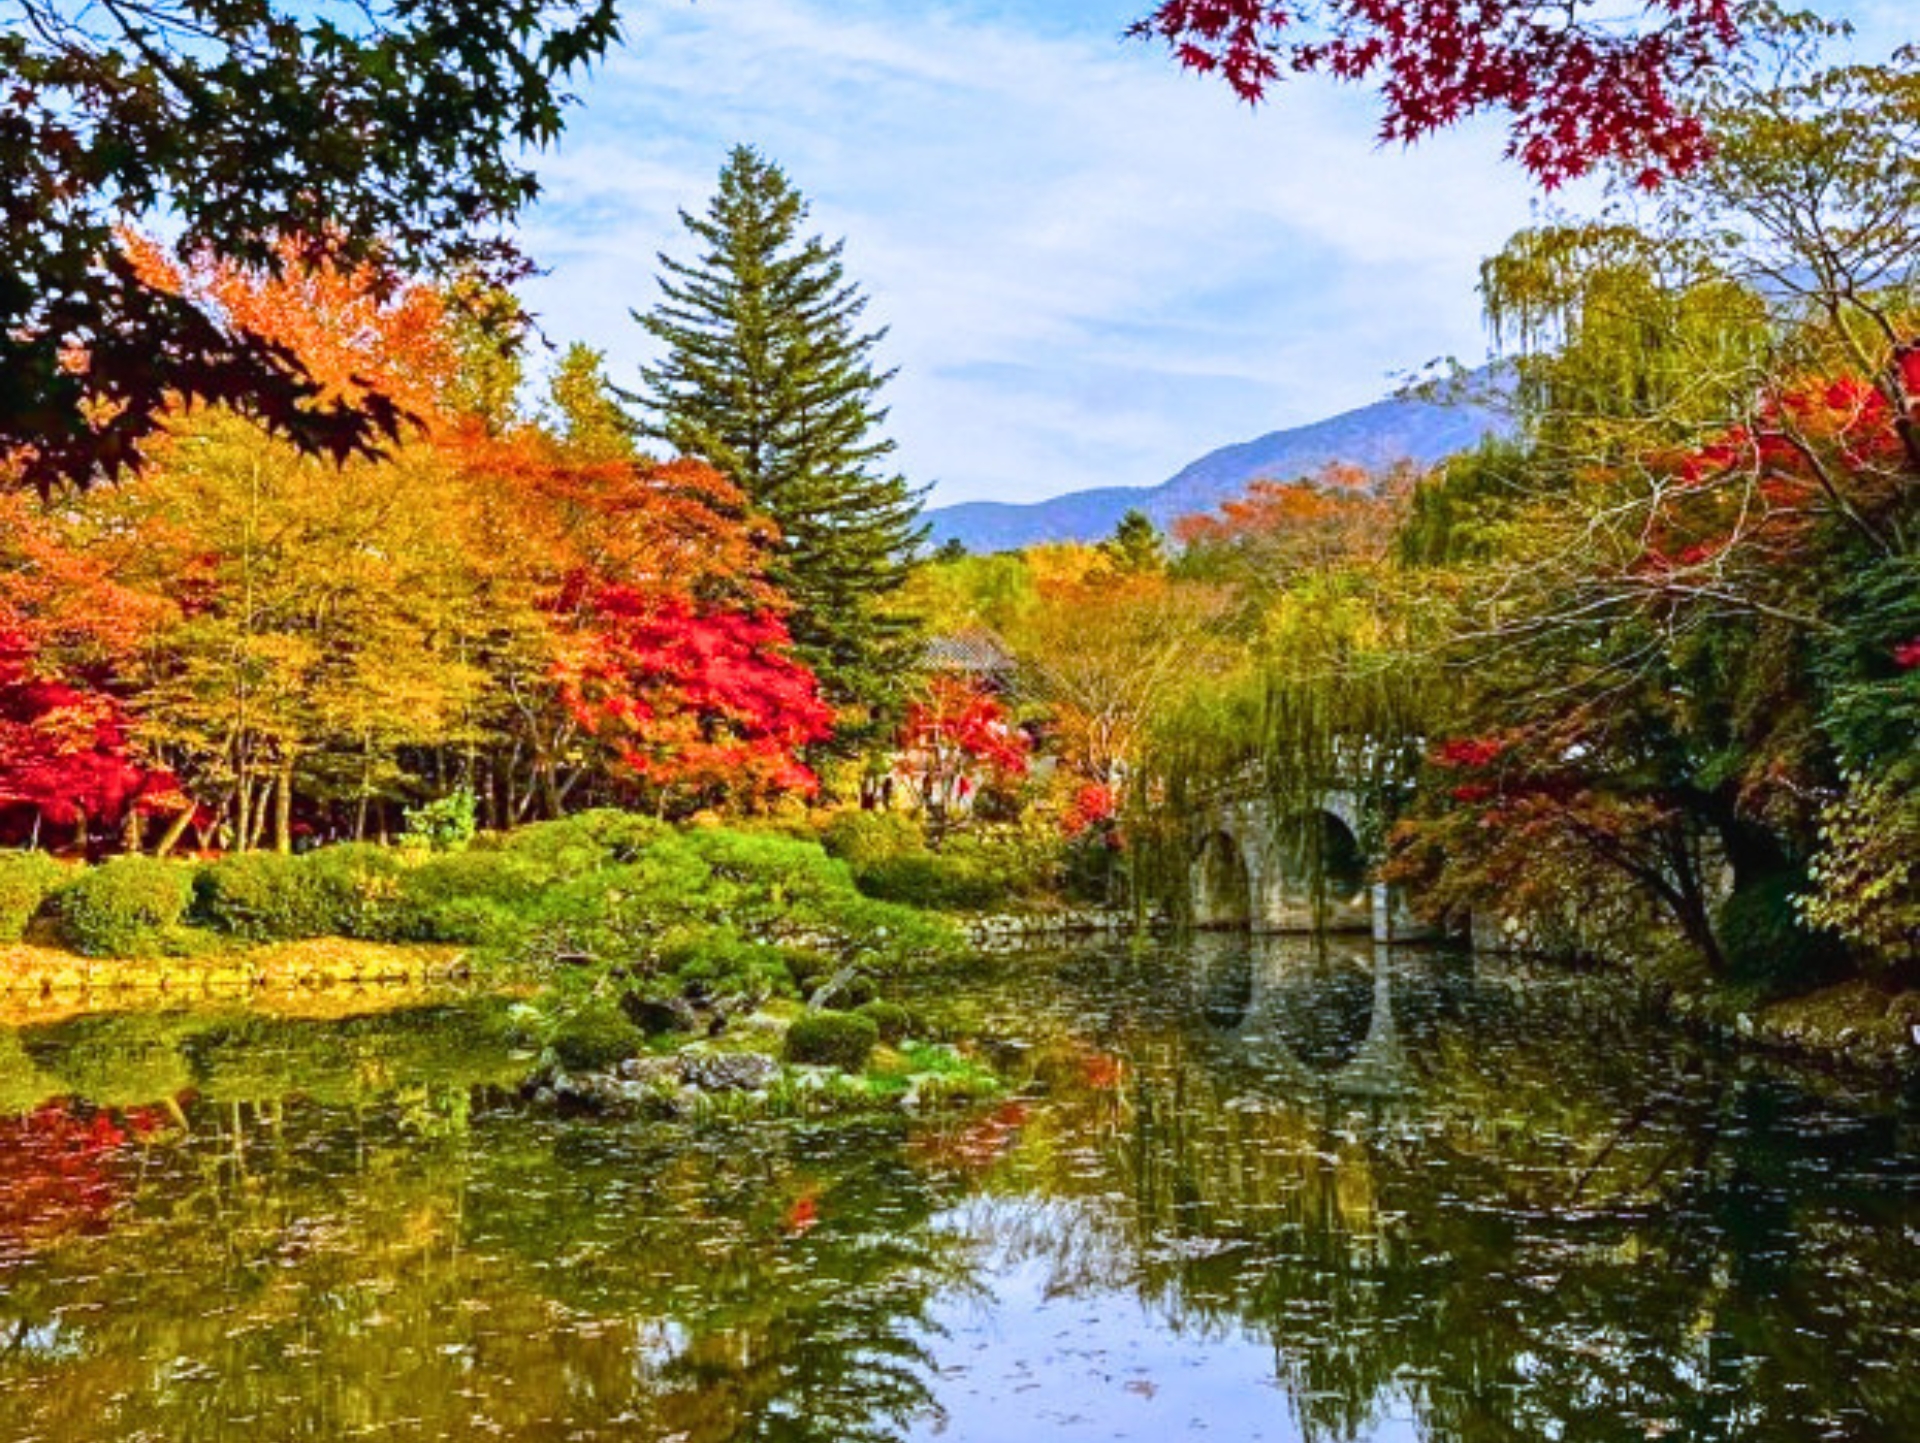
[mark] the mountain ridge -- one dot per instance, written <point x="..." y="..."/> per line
<point x="1374" y="436"/>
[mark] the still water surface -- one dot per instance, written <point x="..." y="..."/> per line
<point x="1242" y="1193"/>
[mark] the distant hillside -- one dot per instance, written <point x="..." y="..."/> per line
<point x="1374" y="436"/>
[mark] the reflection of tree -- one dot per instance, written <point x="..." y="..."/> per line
<point x="795" y="1264"/>
<point x="1569" y="1231"/>
<point x="384" y="1254"/>
<point x="1587" y="1231"/>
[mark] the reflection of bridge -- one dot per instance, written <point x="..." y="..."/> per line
<point x="1317" y="1014"/>
<point x="1258" y="869"/>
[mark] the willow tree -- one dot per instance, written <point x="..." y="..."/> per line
<point x="1706" y="582"/>
<point x="1619" y="339"/>
<point x="1335" y="691"/>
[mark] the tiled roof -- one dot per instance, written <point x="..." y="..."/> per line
<point x="976" y="653"/>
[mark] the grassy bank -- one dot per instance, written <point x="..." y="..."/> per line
<point x="675" y="952"/>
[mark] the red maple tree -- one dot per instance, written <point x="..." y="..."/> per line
<point x="695" y="703"/>
<point x="954" y="737"/>
<point x="1581" y="89"/>
<point x="67" y="762"/>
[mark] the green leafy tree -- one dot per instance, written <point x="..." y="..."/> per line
<point x="586" y="417"/>
<point x="766" y="374"/>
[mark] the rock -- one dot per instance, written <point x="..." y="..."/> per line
<point x="727" y="1071"/>
<point x="842" y="982"/>
<point x="655" y="1015"/>
<point x="650" y="1069"/>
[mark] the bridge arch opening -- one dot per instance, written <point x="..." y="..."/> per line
<point x="1325" y="861"/>
<point x="1222" y="885"/>
<point x="1322" y="1009"/>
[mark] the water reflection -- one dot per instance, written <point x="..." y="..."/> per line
<point x="1267" y="1193"/>
<point x="1312" y="1011"/>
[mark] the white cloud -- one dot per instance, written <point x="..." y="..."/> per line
<point x="1094" y="268"/>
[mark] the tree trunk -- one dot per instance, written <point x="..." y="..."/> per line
<point x="283" y="807"/>
<point x="175" y="831"/>
<point x="257" y="831"/>
<point x="242" y="811"/>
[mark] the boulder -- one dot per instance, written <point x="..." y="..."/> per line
<point x="727" y="1071"/>
<point x="655" y="1015"/>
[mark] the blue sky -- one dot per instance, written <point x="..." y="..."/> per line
<point x="1093" y="268"/>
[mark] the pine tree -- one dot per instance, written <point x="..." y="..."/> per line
<point x="767" y="376"/>
<point x="1135" y="548"/>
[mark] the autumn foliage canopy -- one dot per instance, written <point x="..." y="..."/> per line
<point x="260" y="639"/>
<point x="1579" y="93"/>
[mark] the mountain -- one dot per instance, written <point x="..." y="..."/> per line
<point x="1374" y="436"/>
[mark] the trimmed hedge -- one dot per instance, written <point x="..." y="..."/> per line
<point x="27" y="879"/>
<point x="595" y="1039"/>
<point x="574" y="846"/>
<point x="929" y="879"/>
<point x="263" y="896"/>
<point x="361" y="882"/>
<point x="892" y="1020"/>
<point x="975" y="871"/>
<point x="472" y="898"/>
<point x="833" y="1039"/>
<point x="125" y="907"/>
<point x="350" y="890"/>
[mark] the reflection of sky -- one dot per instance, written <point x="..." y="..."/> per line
<point x="1028" y="1362"/>
<point x="1094" y="268"/>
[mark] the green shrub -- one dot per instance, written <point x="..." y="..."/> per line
<point x="263" y="896"/>
<point x="931" y="879"/>
<point x="575" y="846"/>
<point x="1024" y="863"/>
<point x="833" y="1039"/>
<point x="465" y="897"/>
<point x="349" y="890"/>
<point x="361" y="882"/>
<point x="892" y="1020"/>
<point x="444" y="824"/>
<point x="26" y="880"/>
<point x="975" y="871"/>
<point x="863" y="838"/>
<point x="124" y="907"/>
<point x="595" y="1039"/>
<point x="1766" y="943"/>
<point x="720" y="960"/>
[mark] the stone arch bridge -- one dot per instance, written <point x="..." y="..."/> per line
<point x="1254" y="869"/>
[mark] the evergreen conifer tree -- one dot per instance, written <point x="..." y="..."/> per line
<point x="766" y="375"/>
<point x="1135" y="548"/>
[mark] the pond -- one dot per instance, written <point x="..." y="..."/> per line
<point x="1241" y="1191"/>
